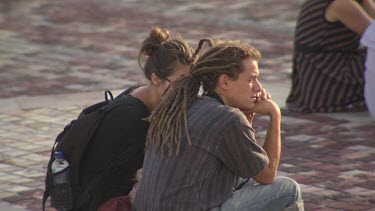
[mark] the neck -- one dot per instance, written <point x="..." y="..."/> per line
<point x="148" y="95"/>
<point x="216" y="96"/>
<point x="220" y="94"/>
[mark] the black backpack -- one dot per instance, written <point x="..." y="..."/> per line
<point x="73" y="141"/>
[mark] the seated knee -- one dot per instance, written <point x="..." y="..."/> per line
<point x="289" y="185"/>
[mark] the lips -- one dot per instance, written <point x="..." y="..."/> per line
<point x="254" y="97"/>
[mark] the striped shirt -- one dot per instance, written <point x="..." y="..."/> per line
<point x="328" y="66"/>
<point x="203" y="174"/>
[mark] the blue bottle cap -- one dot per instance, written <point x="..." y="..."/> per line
<point x="59" y="154"/>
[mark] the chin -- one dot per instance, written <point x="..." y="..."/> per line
<point x="247" y="107"/>
<point x="250" y="105"/>
<point x="250" y="108"/>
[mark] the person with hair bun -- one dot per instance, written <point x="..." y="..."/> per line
<point x="167" y="58"/>
<point x="201" y="152"/>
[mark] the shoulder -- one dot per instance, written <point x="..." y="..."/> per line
<point x="130" y="102"/>
<point x="350" y="13"/>
<point x="338" y="6"/>
<point x="207" y="107"/>
<point x="129" y="107"/>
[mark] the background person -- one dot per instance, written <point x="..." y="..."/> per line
<point x="368" y="39"/>
<point x="328" y="66"/>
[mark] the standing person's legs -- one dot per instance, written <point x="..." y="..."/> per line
<point x="283" y="194"/>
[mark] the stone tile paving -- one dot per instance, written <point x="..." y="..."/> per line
<point x="70" y="46"/>
<point x="26" y="139"/>
<point x="332" y="160"/>
<point x="50" y="47"/>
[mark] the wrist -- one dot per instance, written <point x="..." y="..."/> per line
<point x="275" y="111"/>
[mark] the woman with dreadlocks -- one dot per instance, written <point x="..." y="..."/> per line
<point x="201" y="143"/>
<point x="124" y="128"/>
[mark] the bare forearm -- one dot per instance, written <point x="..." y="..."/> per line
<point x="272" y="144"/>
<point x="351" y="14"/>
<point x="369" y="7"/>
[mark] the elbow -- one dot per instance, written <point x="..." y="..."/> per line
<point x="266" y="176"/>
<point x="266" y="181"/>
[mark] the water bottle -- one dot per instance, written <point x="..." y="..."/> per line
<point x="62" y="194"/>
<point x="58" y="165"/>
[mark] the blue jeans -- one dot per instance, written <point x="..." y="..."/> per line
<point x="283" y="194"/>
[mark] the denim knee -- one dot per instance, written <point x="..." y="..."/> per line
<point x="292" y="188"/>
<point x="289" y="185"/>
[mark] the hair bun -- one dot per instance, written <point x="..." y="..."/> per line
<point x="156" y="38"/>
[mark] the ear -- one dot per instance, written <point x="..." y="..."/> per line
<point x="222" y="82"/>
<point x="155" y="80"/>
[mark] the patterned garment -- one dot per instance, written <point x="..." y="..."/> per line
<point x="202" y="176"/>
<point x="120" y="203"/>
<point x="328" y="66"/>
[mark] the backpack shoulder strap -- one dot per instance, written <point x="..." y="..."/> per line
<point x="128" y="91"/>
<point x="107" y="95"/>
<point x="46" y="194"/>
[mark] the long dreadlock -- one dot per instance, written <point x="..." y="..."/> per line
<point x="169" y="119"/>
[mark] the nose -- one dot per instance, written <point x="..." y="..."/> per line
<point x="257" y="86"/>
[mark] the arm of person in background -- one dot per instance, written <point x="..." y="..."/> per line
<point x="369" y="7"/>
<point x="350" y="13"/>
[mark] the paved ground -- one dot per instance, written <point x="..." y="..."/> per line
<point x="58" y="56"/>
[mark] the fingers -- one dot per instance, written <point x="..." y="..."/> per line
<point x="266" y="106"/>
<point x="268" y="95"/>
<point x="262" y="95"/>
<point x="265" y="94"/>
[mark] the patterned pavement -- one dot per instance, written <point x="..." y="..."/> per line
<point x="58" y="56"/>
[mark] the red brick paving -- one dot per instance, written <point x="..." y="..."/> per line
<point x="78" y="46"/>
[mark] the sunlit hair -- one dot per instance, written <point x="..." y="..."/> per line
<point x="165" y="53"/>
<point x="169" y="119"/>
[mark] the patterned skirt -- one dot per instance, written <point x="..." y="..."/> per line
<point x="327" y="82"/>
